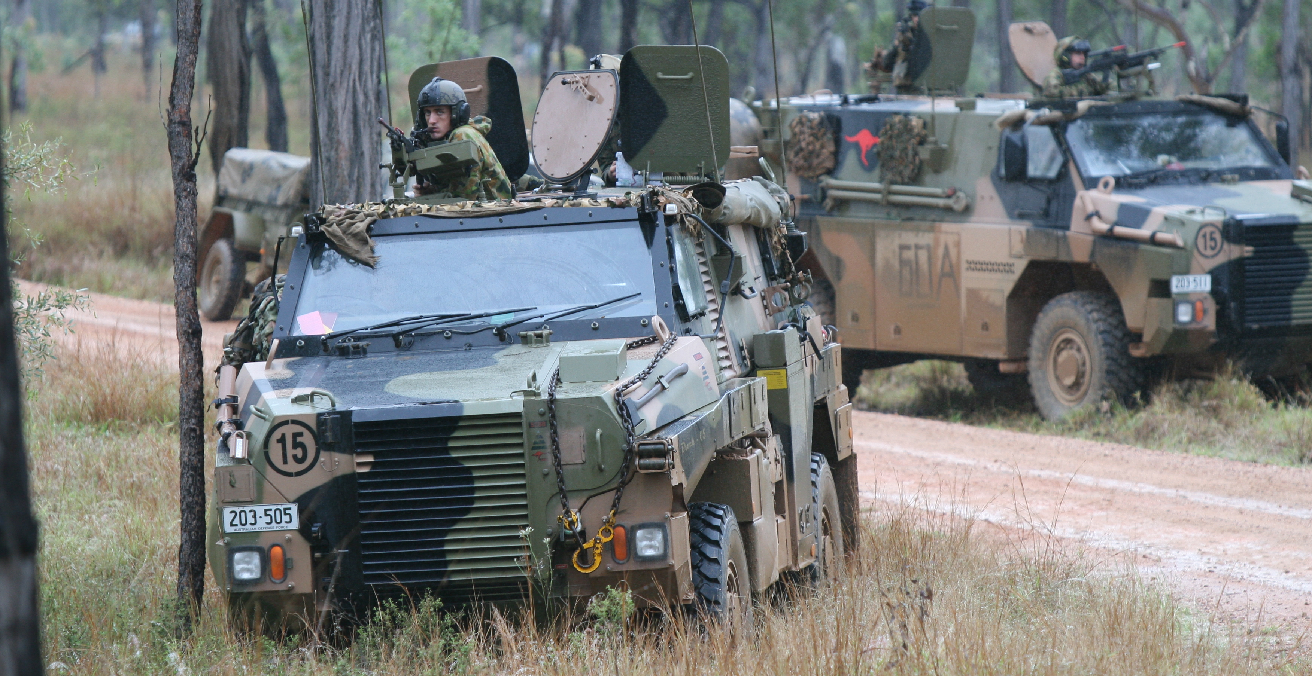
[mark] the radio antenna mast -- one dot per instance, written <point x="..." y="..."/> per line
<point x="314" y="104"/>
<point x="778" y="109"/>
<point x="706" y="99"/>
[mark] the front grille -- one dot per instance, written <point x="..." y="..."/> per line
<point x="1277" y="289"/>
<point x="442" y="504"/>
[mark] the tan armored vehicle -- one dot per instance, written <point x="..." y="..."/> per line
<point x="554" y="395"/>
<point x="1073" y="243"/>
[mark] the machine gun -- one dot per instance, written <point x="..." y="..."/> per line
<point x="1114" y="59"/>
<point x="416" y="156"/>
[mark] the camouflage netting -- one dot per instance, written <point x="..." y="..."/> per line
<point x="251" y="339"/>
<point x="812" y="151"/>
<point x="899" y="149"/>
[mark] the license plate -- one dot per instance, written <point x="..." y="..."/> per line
<point x="1191" y="283"/>
<point x="260" y="517"/>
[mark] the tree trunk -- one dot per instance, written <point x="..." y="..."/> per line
<point x="714" y="23"/>
<point x="347" y="57"/>
<point x="20" y="636"/>
<point x="148" y="11"/>
<point x="1291" y="79"/>
<point x="764" y="56"/>
<point x="836" y="64"/>
<point x="98" y="64"/>
<point x="1194" y="68"/>
<point x="628" y="25"/>
<point x="18" y="66"/>
<point x="1006" y="65"/>
<point x="676" y="23"/>
<point x="275" y="128"/>
<point x="587" y="25"/>
<point x="472" y="18"/>
<point x="551" y="29"/>
<point x="183" y="156"/>
<point x="1057" y="17"/>
<point x="228" y="68"/>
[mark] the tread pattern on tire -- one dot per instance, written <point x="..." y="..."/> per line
<point x="709" y="527"/>
<point x="1122" y="376"/>
<point x="221" y="308"/>
<point x="818" y="465"/>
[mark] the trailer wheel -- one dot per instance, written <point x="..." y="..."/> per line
<point x="828" y="566"/>
<point x="1080" y="354"/>
<point x="222" y="278"/>
<point x="719" y="564"/>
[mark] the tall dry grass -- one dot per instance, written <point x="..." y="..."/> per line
<point x="1225" y="415"/>
<point x="929" y="593"/>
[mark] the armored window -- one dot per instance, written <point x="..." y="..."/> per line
<point x="688" y="272"/>
<point x="1043" y="155"/>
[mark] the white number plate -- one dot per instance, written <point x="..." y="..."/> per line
<point x="1191" y="283"/>
<point x="260" y="517"/>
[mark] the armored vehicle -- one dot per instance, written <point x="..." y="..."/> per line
<point x="1079" y="241"/>
<point x="555" y="395"/>
<point x="261" y="196"/>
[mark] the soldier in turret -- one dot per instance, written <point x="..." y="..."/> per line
<point x="1072" y="53"/>
<point x="444" y="117"/>
<point x="900" y="59"/>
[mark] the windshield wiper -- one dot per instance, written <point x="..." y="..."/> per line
<point x="461" y="318"/>
<point x="394" y="322"/>
<point x="569" y="311"/>
<point x="421" y="321"/>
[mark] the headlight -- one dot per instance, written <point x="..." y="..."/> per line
<point x="649" y="542"/>
<point x="247" y="565"/>
<point x="1184" y="312"/>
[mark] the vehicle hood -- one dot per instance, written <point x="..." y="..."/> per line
<point x="1137" y="207"/>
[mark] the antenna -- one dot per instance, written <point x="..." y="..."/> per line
<point x="778" y="109"/>
<point x="314" y="103"/>
<point x="706" y="101"/>
<point x="387" y="78"/>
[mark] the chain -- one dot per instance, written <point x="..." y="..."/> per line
<point x="570" y="519"/>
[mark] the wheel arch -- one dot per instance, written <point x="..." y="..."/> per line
<point x="1039" y="283"/>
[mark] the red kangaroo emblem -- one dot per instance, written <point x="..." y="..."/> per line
<point x="866" y="140"/>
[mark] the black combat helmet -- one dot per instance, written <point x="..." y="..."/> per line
<point x="1067" y="46"/>
<point x="441" y="92"/>
<point x="916" y="6"/>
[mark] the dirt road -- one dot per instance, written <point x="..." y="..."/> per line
<point x="1223" y="534"/>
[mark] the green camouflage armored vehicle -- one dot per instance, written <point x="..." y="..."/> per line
<point x="261" y="196"/>
<point x="1080" y="242"/>
<point x="559" y="394"/>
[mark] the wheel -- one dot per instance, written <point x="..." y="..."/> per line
<point x="990" y="383"/>
<point x="222" y="278"/>
<point x="849" y="502"/>
<point x="828" y="566"/>
<point x="719" y="564"/>
<point x="1080" y="354"/>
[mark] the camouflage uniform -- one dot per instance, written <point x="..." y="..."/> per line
<point x="896" y="58"/>
<point x="483" y="181"/>
<point x="1055" y="87"/>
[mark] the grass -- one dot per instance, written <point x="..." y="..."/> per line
<point x="929" y="593"/>
<point x="1225" y="416"/>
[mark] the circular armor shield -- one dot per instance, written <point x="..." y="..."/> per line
<point x="572" y="122"/>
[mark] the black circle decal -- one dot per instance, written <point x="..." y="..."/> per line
<point x="1209" y="242"/>
<point x="291" y="449"/>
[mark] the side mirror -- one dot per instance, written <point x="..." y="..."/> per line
<point x="1282" y="141"/>
<point x="1012" y="156"/>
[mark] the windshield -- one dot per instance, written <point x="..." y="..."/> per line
<point x="1122" y="146"/>
<point x="546" y="269"/>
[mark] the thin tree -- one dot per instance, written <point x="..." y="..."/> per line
<point x="1291" y="76"/>
<point x="275" y="129"/>
<point x="148" y="10"/>
<point x="20" y="639"/>
<point x="346" y="57"/>
<point x="1006" y="64"/>
<point x="184" y="152"/>
<point x="628" y="24"/>
<point x="1057" y="17"/>
<point x="551" y="34"/>
<point x="228" y="69"/>
<point x="18" y="64"/>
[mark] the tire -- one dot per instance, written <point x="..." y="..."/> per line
<point x="1080" y="354"/>
<point x="720" y="576"/>
<point x="989" y="383"/>
<point x="222" y="278"/>
<point x="828" y="566"/>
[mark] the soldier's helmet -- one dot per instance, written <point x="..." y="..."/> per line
<point x="442" y="92"/>
<point x="916" y="6"/>
<point x="1067" y="46"/>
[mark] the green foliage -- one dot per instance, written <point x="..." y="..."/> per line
<point x="427" y="31"/>
<point x="398" y="635"/>
<point x="37" y="167"/>
<point x="612" y="610"/>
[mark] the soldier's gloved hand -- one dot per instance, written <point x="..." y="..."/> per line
<point x="528" y="182"/>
